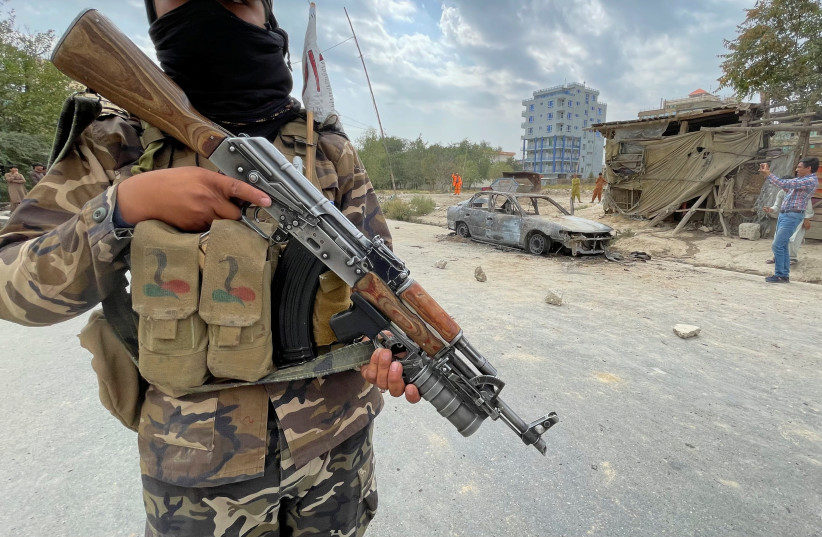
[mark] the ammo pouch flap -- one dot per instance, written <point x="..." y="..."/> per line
<point x="235" y="301"/>
<point x="165" y="284"/>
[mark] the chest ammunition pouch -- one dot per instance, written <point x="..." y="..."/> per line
<point x="227" y="331"/>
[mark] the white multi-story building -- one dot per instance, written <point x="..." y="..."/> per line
<point x="555" y="139"/>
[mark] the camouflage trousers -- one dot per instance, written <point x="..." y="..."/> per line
<point x="333" y="495"/>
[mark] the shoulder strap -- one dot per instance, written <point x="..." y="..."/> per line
<point x="79" y="111"/>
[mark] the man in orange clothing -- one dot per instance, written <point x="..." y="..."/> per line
<point x="598" y="188"/>
<point x="458" y="185"/>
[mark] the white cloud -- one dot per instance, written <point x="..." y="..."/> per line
<point x="403" y="10"/>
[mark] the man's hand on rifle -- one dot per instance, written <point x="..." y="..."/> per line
<point x="188" y="198"/>
<point x="386" y="373"/>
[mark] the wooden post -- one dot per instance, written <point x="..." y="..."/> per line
<point x="691" y="212"/>
<point x="310" y="153"/>
<point x="663" y="214"/>
<point x="725" y="231"/>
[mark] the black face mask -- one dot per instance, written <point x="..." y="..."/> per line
<point x="233" y="72"/>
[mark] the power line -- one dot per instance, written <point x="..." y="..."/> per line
<point x="326" y="50"/>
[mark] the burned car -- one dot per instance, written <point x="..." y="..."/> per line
<point x="533" y="222"/>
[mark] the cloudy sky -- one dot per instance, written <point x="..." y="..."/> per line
<point x="456" y="69"/>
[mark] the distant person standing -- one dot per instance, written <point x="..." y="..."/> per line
<point x="799" y="235"/>
<point x="454" y="183"/>
<point x="457" y="184"/>
<point x="37" y="173"/>
<point x="575" y="189"/>
<point x="791" y="213"/>
<point x="598" y="188"/>
<point x="17" y="187"/>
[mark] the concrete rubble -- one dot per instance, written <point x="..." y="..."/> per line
<point x="686" y="331"/>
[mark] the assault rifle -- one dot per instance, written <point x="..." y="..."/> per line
<point x="388" y="306"/>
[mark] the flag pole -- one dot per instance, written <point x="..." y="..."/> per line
<point x="309" y="135"/>
<point x="311" y="153"/>
<point x="373" y="100"/>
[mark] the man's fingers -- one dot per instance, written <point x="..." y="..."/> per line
<point x="234" y="188"/>
<point x="369" y="372"/>
<point x="383" y="367"/>
<point x="396" y="385"/>
<point x="412" y="394"/>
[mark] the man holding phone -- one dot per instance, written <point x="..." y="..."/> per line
<point x="791" y="213"/>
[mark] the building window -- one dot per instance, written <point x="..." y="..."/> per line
<point x="550" y="115"/>
<point x="585" y="123"/>
<point x="548" y="129"/>
<point x="530" y="119"/>
<point x="576" y="115"/>
<point x="570" y="104"/>
<point x="530" y="130"/>
<point x="594" y="98"/>
<point x="550" y="104"/>
<point x="599" y="111"/>
<point x="531" y="108"/>
<point x="568" y="128"/>
<point x="576" y="128"/>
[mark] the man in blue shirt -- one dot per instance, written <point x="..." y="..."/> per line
<point x="797" y="193"/>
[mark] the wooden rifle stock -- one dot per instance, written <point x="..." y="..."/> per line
<point x="94" y="52"/>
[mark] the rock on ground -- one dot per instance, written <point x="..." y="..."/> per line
<point x="686" y="330"/>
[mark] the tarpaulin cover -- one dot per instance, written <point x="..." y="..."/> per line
<point x="679" y="168"/>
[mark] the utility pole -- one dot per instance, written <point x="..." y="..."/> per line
<point x="373" y="100"/>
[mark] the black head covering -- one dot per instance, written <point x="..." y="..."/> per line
<point x="241" y="80"/>
<point x="272" y="21"/>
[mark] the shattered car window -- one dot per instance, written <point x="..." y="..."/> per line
<point x="505" y="205"/>
<point x="540" y="206"/>
<point x="481" y="201"/>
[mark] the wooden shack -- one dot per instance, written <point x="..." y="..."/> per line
<point x="702" y="162"/>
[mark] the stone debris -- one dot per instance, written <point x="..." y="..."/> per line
<point x="706" y="229"/>
<point x="686" y="330"/>
<point x="441" y="263"/>
<point x="479" y="274"/>
<point x="554" y="297"/>
<point x="749" y="231"/>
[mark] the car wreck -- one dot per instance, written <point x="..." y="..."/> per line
<point x="533" y="222"/>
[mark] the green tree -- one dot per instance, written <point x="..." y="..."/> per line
<point x="32" y="92"/>
<point x="418" y="165"/>
<point x="778" y="51"/>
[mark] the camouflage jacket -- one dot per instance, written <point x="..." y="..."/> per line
<point x="60" y="255"/>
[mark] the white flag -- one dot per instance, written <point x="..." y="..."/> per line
<point x="317" y="95"/>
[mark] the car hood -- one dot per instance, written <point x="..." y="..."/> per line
<point x="577" y="224"/>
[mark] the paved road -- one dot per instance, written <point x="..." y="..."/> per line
<point x="715" y="435"/>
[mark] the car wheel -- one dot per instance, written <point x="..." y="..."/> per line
<point x="538" y="244"/>
<point x="462" y="230"/>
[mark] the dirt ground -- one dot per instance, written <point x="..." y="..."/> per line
<point x="690" y="246"/>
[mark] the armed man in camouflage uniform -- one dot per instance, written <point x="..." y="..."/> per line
<point x="254" y="460"/>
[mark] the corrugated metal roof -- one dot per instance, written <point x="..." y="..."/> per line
<point x="718" y="110"/>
